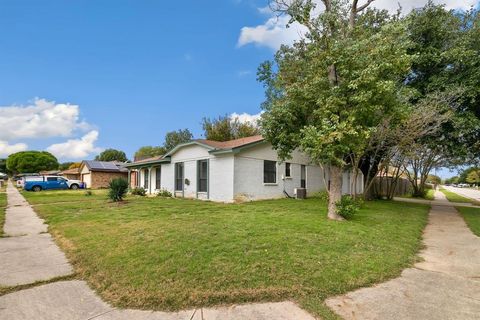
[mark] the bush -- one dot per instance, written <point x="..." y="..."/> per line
<point x="118" y="187"/>
<point x="138" y="191"/>
<point x="164" y="193"/>
<point x="88" y="193"/>
<point x="347" y="207"/>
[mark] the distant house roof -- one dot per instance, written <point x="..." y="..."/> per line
<point x="105" y="166"/>
<point x="71" y="171"/>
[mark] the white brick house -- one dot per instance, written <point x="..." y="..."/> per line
<point x="237" y="170"/>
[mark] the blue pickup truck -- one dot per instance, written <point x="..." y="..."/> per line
<point x="40" y="183"/>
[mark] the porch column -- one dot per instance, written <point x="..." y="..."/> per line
<point x="149" y="179"/>
<point x="129" y="178"/>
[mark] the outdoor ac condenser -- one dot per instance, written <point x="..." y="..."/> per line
<point x="300" y="193"/>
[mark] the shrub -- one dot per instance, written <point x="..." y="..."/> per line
<point x="164" y="193"/>
<point x="347" y="207"/>
<point x="138" y="191"/>
<point x="88" y="193"/>
<point x="118" y="187"/>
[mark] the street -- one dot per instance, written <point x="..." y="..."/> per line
<point x="465" y="192"/>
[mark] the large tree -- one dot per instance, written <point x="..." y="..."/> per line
<point x="446" y="51"/>
<point x="112" y="155"/>
<point x="174" y="138"/>
<point x="31" y="162"/>
<point x="226" y="128"/>
<point x="328" y="92"/>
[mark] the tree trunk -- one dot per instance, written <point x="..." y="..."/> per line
<point x="335" y="192"/>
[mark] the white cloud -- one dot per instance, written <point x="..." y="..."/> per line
<point x="7" y="149"/>
<point x="244" y="73"/>
<point x="42" y="119"/>
<point x="76" y="148"/>
<point x="246" y="117"/>
<point x="273" y="33"/>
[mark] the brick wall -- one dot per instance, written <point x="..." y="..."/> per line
<point x="101" y="179"/>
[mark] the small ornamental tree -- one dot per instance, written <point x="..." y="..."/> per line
<point x="117" y="189"/>
<point x="328" y="92"/>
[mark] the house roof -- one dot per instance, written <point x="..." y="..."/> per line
<point x="71" y="171"/>
<point x="232" y="143"/>
<point x="213" y="146"/>
<point x="106" y="166"/>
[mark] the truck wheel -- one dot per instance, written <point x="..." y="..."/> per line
<point x="37" y="188"/>
<point x="74" y="186"/>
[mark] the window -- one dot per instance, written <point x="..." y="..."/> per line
<point x="202" y="175"/>
<point x="303" y="176"/>
<point x="287" y="170"/>
<point x="158" y="174"/>
<point x="179" y="176"/>
<point x="145" y="178"/>
<point x="269" y="171"/>
<point x="51" y="178"/>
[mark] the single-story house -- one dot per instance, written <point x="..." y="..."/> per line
<point x="98" y="174"/>
<point x="72" y="174"/>
<point x="236" y="170"/>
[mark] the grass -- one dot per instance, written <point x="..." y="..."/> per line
<point x="429" y="195"/>
<point x="454" y="197"/>
<point x="3" y="207"/>
<point x="170" y="254"/>
<point x="472" y="218"/>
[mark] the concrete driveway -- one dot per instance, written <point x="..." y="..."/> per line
<point x="465" y="192"/>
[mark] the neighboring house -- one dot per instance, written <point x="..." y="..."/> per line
<point x="237" y="170"/>
<point x="98" y="174"/>
<point x="73" y="174"/>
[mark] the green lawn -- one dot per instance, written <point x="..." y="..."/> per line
<point x="169" y="254"/>
<point x="472" y="218"/>
<point x="3" y="206"/>
<point x="454" y="197"/>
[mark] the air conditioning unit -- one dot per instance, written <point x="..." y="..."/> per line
<point x="300" y="193"/>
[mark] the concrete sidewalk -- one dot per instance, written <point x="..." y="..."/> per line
<point x="446" y="285"/>
<point x="30" y="255"/>
<point x="27" y="253"/>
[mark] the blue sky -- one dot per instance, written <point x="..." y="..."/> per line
<point x="79" y="76"/>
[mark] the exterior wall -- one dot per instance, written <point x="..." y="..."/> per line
<point x="85" y="176"/>
<point x="221" y="178"/>
<point x="248" y="173"/>
<point x="101" y="179"/>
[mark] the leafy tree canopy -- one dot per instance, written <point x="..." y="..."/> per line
<point x="149" y="151"/>
<point x="3" y="165"/>
<point x="174" y="138"/>
<point x="112" y="155"/>
<point x="31" y="162"/>
<point x="226" y="128"/>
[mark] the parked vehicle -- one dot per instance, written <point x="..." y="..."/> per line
<point x="3" y="176"/>
<point x="20" y="178"/>
<point x="51" y="183"/>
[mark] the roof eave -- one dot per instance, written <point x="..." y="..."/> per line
<point x="146" y="163"/>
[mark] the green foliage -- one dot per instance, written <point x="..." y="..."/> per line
<point x="112" y="155"/>
<point x="31" y="162"/>
<point x="434" y="179"/>
<point x="149" y="152"/>
<point x="65" y="165"/>
<point x="138" y="191"/>
<point x="164" y="193"/>
<point x="174" y="138"/>
<point x="226" y="128"/>
<point x="446" y="50"/>
<point x="474" y="177"/>
<point x="452" y="180"/>
<point x="331" y="119"/>
<point x="463" y="178"/>
<point x="118" y="188"/>
<point x="3" y="165"/>
<point x="347" y="207"/>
